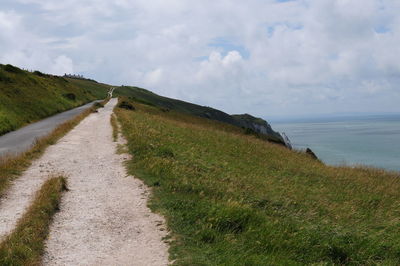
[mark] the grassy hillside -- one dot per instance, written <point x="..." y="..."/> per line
<point x="27" y="97"/>
<point x="233" y="199"/>
<point x="256" y="125"/>
<point x="99" y="90"/>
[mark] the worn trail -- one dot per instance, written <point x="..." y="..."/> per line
<point x="103" y="218"/>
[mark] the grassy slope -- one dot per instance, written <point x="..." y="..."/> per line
<point x="150" y="98"/>
<point x="232" y="199"/>
<point x="27" y="97"/>
<point x="25" y="245"/>
<point x="99" y="90"/>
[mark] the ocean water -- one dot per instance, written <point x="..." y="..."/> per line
<point x="370" y="140"/>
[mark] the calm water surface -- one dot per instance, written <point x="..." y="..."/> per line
<point x="373" y="141"/>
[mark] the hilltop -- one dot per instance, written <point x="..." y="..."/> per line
<point x="30" y="96"/>
<point x="251" y="124"/>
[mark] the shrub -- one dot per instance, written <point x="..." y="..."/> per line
<point x="98" y="105"/>
<point x="126" y="105"/>
<point x="70" y="96"/>
<point x="38" y="73"/>
<point x="13" y="69"/>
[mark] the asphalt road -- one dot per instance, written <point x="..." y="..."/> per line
<point x="22" y="139"/>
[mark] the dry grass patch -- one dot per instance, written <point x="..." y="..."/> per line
<point x="25" y="246"/>
<point x="114" y="124"/>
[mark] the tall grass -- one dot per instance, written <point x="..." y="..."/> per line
<point x="27" y="97"/>
<point x="25" y="245"/>
<point x="233" y="199"/>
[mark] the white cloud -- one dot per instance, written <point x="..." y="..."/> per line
<point x="62" y="64"/>
<point x="219" y="67"/>
<point x="154" y="77"/>
<point x="257" y="56"/>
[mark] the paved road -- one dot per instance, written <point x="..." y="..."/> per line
<point x="22" y="139"/>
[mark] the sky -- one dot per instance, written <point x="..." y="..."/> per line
<point x="270" y="58"/>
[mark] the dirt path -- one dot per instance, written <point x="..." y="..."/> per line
<point x="103" y="219"/>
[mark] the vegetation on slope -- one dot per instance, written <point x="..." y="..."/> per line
<point x="253" y="124"/>
<point x="233" y="199"/>
<point x="25" y="246"/>
<point x="99" y="90"/>
<point x="27" y="97"/>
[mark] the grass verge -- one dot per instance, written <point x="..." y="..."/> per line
<point x="233" y="199"/>
<point x="12" y="166"/>
<point x="25" y="245"/>
<point x="114" y="124"/>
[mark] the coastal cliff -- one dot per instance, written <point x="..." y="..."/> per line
<point x="251" y="124"/>
<point x="258" y="125"/>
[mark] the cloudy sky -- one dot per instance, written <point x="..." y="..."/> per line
<point x="265" y="57"/>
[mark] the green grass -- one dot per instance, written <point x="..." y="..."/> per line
<point x="99" y="90"/>
<point x="25" y="246"/>
<point x="166" y="104"/>
<point x="147" y="97"/>
<point x="27" y="97"/>
<point x="233" y="199"/>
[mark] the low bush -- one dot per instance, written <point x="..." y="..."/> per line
<point x="126" y="105"/>
<point x="70" y="96"/>
<point x="40" y="74"/>
<point x="98" y="105"/>
<point x="13" y="69"/>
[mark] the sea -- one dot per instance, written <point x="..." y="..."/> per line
<point x="372" y="140"/>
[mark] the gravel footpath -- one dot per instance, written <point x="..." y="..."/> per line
<point x="103" y="218"/>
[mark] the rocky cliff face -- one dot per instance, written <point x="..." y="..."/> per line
<point x="258" y="125"/>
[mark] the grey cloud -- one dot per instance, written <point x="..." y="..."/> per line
<point x="264" y="57"/>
